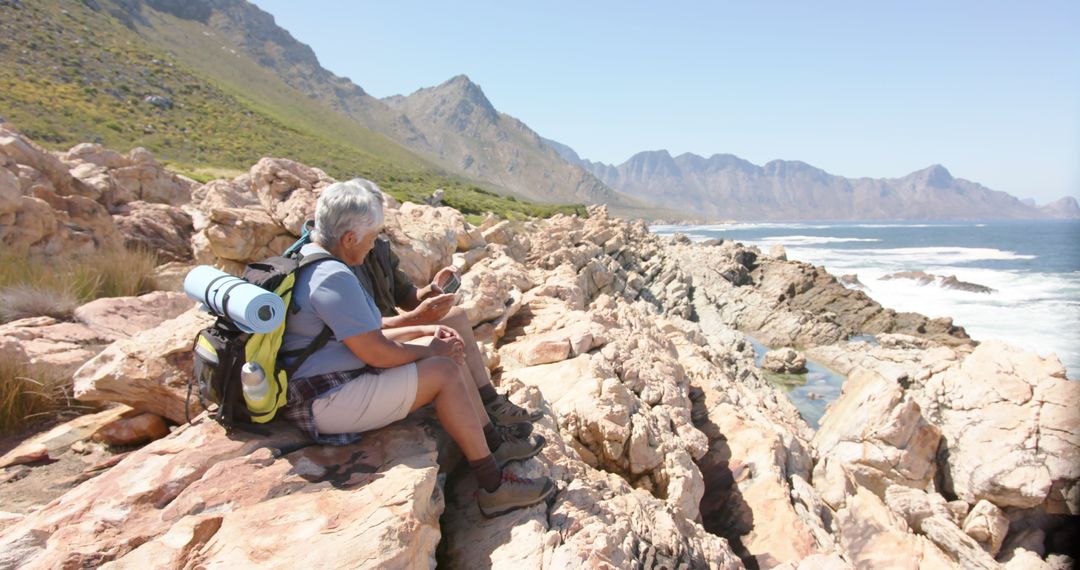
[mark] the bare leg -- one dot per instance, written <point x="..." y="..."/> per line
<point x="440" y="381"/>
<point x="472" y="392"/>
<point x="474" y="362"/>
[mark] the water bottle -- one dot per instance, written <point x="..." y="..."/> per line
<point x="256" y="387"/>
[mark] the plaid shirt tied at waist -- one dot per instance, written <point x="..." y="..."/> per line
<point x="303" y="392"/>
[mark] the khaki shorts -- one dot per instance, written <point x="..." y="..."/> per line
<point x="369" y="401"/>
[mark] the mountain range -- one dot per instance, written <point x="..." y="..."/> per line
<point x="244" y="87"/>
<point x="726" y="187"/>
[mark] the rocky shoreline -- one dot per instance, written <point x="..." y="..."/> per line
<point x="669" y="446"/>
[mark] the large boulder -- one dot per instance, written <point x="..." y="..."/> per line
<point x="1012" y="429"/>
<point x="876" y="434"/>
<point x="425" y="238"/>
<point x="56" y="346"/>
<point x="204" y="497"/>
<point x="166" y="230"/>
<point x="146" y="179"/>
<point x="287" y="191"/>
<point x="123" y="317"/>
<point x="43" y="208"/>
<point x="149" y="371"/>
<point x="62" y="346"/>
<point x="784" y="361"/>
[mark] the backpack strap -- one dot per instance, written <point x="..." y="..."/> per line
<point x="310" y="259"/>
<point x="319" y="342"/>
<point x="323" y="336"/>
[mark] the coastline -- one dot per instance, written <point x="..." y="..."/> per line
<point x="1013" y="281"/>
<point x="669" y="445"/>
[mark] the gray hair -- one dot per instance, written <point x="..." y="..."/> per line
<point x="355" y="205"/>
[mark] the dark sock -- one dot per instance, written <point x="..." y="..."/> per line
<point x="494" y="440"/>
<point x="488" y="393"/>
<point x="488" y="474"/>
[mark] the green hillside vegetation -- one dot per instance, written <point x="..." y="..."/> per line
<point x="69" y="74"/>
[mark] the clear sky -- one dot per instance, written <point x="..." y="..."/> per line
<point x="989" y="89"/>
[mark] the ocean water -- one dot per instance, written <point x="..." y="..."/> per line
<point x="1033" y="266"/>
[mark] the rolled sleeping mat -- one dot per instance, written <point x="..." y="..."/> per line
<point x="252" y="308"/>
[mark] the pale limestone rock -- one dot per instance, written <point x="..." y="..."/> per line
<point x="24" y="453"/>
<point x="122" y="317"/>
<point x="425" y="239"/>
<point x="556" y="345"/>
<point x="987" y="525"/>
<point x="60" y="438"/>
<point x="7" y="519"/>
<point x="878" y="435"/>
<point x="82" y="218"/>
<point x="45" y="341"/>
<point x="817" y="562"/>
<point x="149" y="371"/>
<point x="147" y="180"/>
<point x="745" y="463"/>
<point x="165" y="230"/>
<point x="38" y="162"/>
<point x="95" y="154"/>
<point x="287" y="191"/>
<point x="873" y="537"/>
<point x="595" y="519"/>
<point x="499" y="233"/>
<point x="242" y="236"/>
<point x="1014" y="435"/>
<point x="199" y="497"/>
<point x="221" y="193"/>
<point x="45" y="209"/>
<point x="1022" y="559"/>
<point x="32" y="225"/>
<point x="170" y="276"/>
<point x="784" y="361"/>
<point x="492" y="288"/>
<point x="929" y="515"/>
<point x="9" y="195"/>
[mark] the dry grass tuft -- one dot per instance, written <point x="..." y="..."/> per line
<point x="38" y="285"/>
<point x="31" y="393"/>
<point x="22" y="301"/>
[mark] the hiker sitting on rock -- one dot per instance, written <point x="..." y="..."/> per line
<point x="368" y="376"/>
<point x="428" y="305"/>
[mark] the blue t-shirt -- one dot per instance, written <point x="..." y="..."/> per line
<point x="328" y="293"/>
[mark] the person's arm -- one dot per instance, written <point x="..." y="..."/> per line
<point x="377" y="350"/>
<point x="343" y="305"/>
<point x="407" y="333"/>
<point x="429" y="311"/>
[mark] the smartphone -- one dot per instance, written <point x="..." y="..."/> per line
<point x="451" y="285"/>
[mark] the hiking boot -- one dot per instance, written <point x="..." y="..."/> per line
<point x="517" y="449"/>
<point x="514" y="493"/>
<point x="504" y="412"/>
<point x="519" y="430"/>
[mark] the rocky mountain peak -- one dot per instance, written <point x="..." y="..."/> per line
<point x="653" y="163"/>
<point x="1066" y="207"/>
<point x="463" y="88"/>
<point x="935" y="175"/>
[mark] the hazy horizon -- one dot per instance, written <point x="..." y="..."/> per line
<point x="985" y="89"/>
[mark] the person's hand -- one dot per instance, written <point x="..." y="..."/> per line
<point x="434" y="288"/>
<point x="442" y="277"/>
<point x="448" y="334"/>
<point x="433" y="309"/>
<point x="449" y="349"/>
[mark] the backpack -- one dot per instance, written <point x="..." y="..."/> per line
<point x="221" y="349"/>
